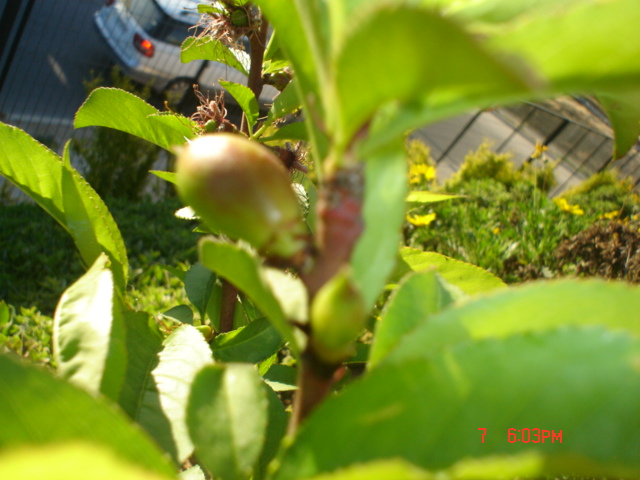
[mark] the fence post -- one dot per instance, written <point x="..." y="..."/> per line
<point x="12" y="23"/>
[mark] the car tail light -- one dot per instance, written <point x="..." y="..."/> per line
<point x="144" y="46"/>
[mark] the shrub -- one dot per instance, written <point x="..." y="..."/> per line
<point x="485" y="163"/>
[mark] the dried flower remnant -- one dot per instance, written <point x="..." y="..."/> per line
<point x="230" y="25"/>
<point x="211" y="115"/>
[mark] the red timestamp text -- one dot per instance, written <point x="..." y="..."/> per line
<point x="533" y="435"/>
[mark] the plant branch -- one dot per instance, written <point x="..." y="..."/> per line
<point x="339" y="227"/>
<point x="258" y="44"/>
<point x="227" y="306"/>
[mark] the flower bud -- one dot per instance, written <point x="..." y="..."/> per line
<point x="338" y="315"/>
<point x="239" y="188"/>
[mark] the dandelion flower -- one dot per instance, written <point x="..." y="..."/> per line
<point x="421" y="220"/>
<point x="566" y="207"/>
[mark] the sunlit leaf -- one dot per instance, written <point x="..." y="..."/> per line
<point x="245" y="272"/>
<point x="66" y="196"/>
<point x="428" y="197"/>
<point x="246" y="100"/>
<point x="527" y="308"/>
<point x="113" y="108"/>
<point x="250" y="344"/>
<point x="209" y="48"/>
<point x="407" y="64"/>
<point x="89" y="333"/>
<point x="385" y="193"/>
<point x="581" y="381"/>
<point x="623" y="109"/>
<point x="70" y="461"/>
<point x="227" y="418"/>
<point x="420" y="296"/>
<point x="163" y="396"/>
<point x="38" y="408"/>
<point x="469" y="278"/>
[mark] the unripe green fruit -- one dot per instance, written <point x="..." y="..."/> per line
<point x="338" y="315"/>
<point x="239" y="188"/>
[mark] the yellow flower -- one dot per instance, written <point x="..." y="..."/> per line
<point x="421" y="220"/>
<point x="611" y="215"/>
<point x="539" y="150"/>
<point x="565" y="207"/>
<point x="419" y="170"/>
<point x="496" y="230"/>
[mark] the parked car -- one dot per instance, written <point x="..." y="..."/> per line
<point x="145" y="37"/>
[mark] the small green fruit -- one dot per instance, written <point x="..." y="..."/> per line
<point x="240" y="188"/>
<point x="338" y="315"/>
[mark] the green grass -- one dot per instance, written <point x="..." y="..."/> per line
<point x="39" y="261"/>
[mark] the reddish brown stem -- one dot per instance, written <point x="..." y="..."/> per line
<point x="227" y="306"/>
<point x="315" y="381"/>
<point x="339" y="226"/>
<point x="258" y="43"/>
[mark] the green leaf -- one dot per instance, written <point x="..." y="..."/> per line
<point x="250" y="344"/>
<point x="209" y="48"/>
<point x="623" y="109"/>
<point x="596" y="55"/>
<point x="66" y="196"/>
<point x="113" y="108"/>
<point x="168" y="176"/>
<point x="164" y="393"/>
<point x="296" y="132"/>
<point x="89" y="333"/>
<point x="469" y="278"/>
<point x="417" y="298"/>
<point x="143" y="347"/>
<point x="380" y="470"/>
<point x="385" y="192"/>
<point x="428" y="197"/>
<point x="245" y="272"/>
<point x="180" y="314"/>
<point x="198" y="284"/>
<point x="277" y="422"/>
<point x="582" y="381"/>
<point x="285" y="103"/>
<point x="281" y="378"/>
<point x="246" y="100"/>
<point x="290" y="292"/>
<point x="70" y="461"/>
<point x="372" y="72"/>
<point x="528" y="308"/>
<point x="232" y="399"/>
<point x="193" y="473"/>
<point x="37" y="408"/>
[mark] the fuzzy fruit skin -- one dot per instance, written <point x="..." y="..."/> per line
<point x="239" y="188"/>
<point x="338" y="315"/>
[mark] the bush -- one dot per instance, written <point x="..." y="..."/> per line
<point x="485" y="163"/>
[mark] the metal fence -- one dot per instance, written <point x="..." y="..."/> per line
<point x="48" y="48"/>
